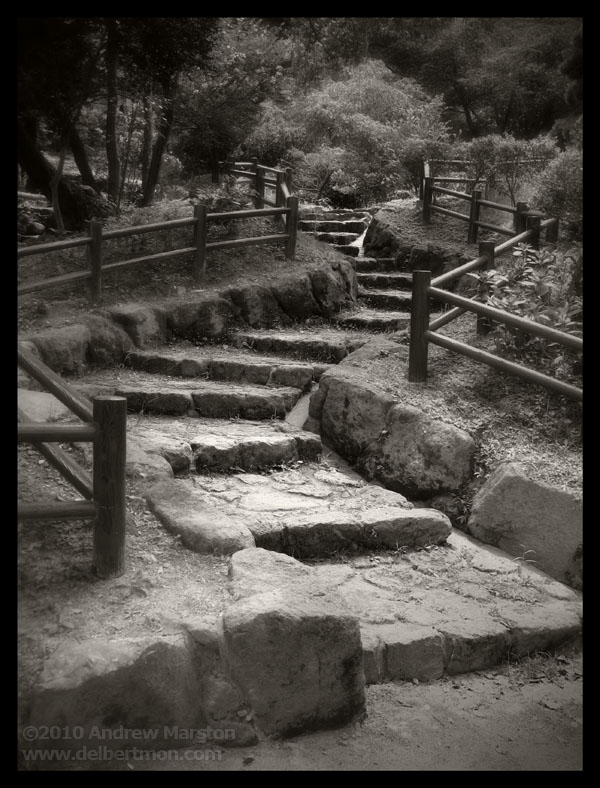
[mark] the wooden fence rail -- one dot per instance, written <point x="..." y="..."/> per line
<point x="423" y="332"/>
<point x="284" y="207"/>
<point x="104" y="492"/>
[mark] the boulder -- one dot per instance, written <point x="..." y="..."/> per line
<point x="530" y="520"/>
<point x="206" y="317"/>
<point x="135" y="692"/>
<point x="257" y="305"/>
<point x="109" y="343"/>
<point x="144" y="324"/>
<point x="295" y="297"/>
<point x="352" y="413"/>
<point x="329" y="290"/>
<point x="65" y="349"/>
<point x="417" y="455"/>
<point x="291" y="647"/>
<point x="398" y="445"/>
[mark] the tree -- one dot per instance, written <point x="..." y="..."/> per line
<point x="160" y="49"/>
<point x="221" y="101"/>
<point x="57" y="71"/>
<point x="357" y="131"/>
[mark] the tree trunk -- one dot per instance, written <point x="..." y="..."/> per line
<point x="112" y="143"/>
<point x="78" y="203"/>
<point x="462" y="97"/>
<point x="147" y="140"/>
<point x="160" y="144"/>
<point x="81" y="159"/>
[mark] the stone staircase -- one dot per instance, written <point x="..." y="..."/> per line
<point x="343" y="228"/>
<point x="216" y="431"/>
<point x="229" y="410"/>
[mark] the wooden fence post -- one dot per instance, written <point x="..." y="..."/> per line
<point x="95" y="259"/>
<point x="421" y="178"/>
<point x="260" y="187"/>
<point x="257" y="179"/>
<point x="110" y="447"/>
<point x="288" y="178"/>
<point x="291" y="227"/>
<point x="487" y="248"/>
<point x="280" y="180"/>
<point x="552" y="232"/>
<point x="419" y="324"/>
<point x="533" y="223"/>
<point x="427" y="198"/>
<point x="520" y="217"/>
<point x="474" y="216"/>
<point x="200" y="232"/>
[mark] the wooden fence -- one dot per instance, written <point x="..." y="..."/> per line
<point x="105" y="426"/>
<point x="284" y="206"/>
<point x="422" y="332"/>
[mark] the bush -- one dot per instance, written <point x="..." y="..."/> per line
<point x="545" y="287"/>
<point x="558" y="191"/>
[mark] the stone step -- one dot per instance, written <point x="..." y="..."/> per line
<point x="447" y="609"/>
<point x="343" y="214"/>
<point x="385" y="299"/>
<point x="314" y="511"/>
<point x="337" y="239"/>
<point x="149" y="393"/>
<point x="226" y="363"/>
<point x="379" y="281"/>
<point x="376" y="264"/>
<point x="331" y="226"/>
<point x="348" y="250"/>
<point x="329" y="345"/>
<point x="374" y="320"/>
<point x="210" y="445"/>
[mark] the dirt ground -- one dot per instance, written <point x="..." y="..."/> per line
<point x="525" y="716"/>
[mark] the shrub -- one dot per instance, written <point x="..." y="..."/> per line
<point x="558" y="191"/>
<point x="545" y="287"/>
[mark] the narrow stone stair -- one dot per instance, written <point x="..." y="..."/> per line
<point x="222" y="409"/>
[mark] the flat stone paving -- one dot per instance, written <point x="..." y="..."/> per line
<point x="451" y="608"/>
<point x="310" y="511"/>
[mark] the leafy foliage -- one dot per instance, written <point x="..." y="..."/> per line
<point x="545" y="287"/>
<point x="506" y="162"/>
<point x="558" y="190"/>
<point x="358" y="137"/>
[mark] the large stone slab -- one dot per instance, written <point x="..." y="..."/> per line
<point x="380" y="281"/>
<point x="419" y="456"/>
<point x="453" y="608"/>
<point x="294" y="651"/>
<point x="209" y="445"/>
<point x="306" y="513"/>
<point x="386" y="299"/>
<point x="327" y="345"/>
<point x="373" y="319"/>
<point x="395" y="444"/>
<point x="110" y="692"/>
<point x="531" y="520"/>
<point x="153" y="394"/>
<point x="233" y="366"/>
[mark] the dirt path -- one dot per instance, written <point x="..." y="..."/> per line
<point x="525" y="717"/>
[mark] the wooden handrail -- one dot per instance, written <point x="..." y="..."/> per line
<point x="94" y="242"/>
<point x="530" y="326"/>
<point x="511" y="367"/>
<point x="451" y="192"/>
<point x="80" y="405"/>
<point x="65" y="465"/>
<point x="106" y="429"/>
